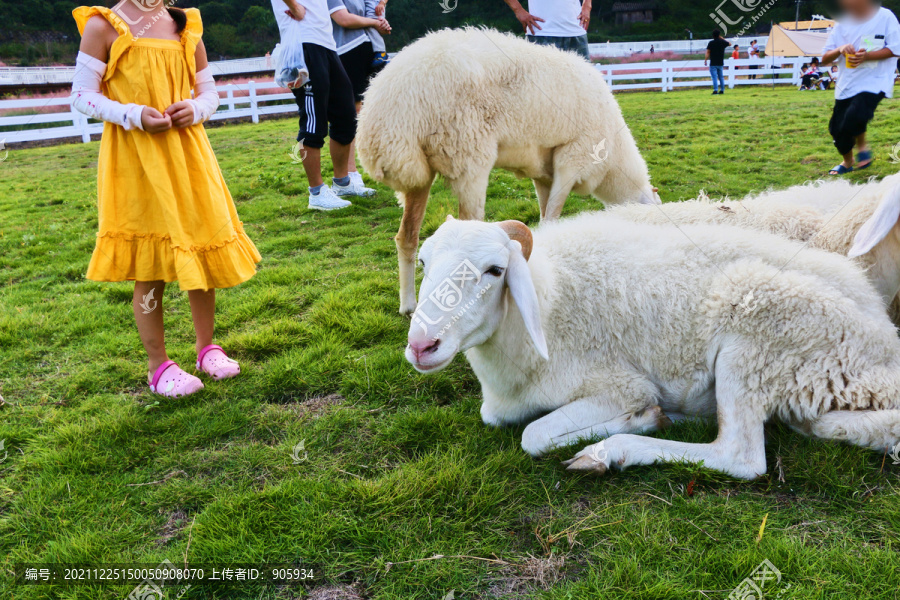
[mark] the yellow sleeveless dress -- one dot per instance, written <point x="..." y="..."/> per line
<point x="165" y="211"/>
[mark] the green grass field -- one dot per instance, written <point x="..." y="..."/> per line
<point x="397" y="467"/>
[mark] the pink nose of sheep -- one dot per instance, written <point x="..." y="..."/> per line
<point x="422" y="347"/>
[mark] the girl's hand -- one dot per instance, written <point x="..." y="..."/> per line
<point x="153" y="121"/>
<point x="181" y="113"/>
<point x="847" y="49"/>
<point x="379" y="8"/>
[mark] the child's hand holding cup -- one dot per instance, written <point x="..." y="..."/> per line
<point x="852" y="58"/>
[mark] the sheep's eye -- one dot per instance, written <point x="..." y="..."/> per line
<point x="495" y="271"/>
<point x="422" y="262"/>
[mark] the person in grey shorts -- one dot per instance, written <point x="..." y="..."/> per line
<point x="565" y="23"/>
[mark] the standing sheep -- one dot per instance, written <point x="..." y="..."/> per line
<point x="459" y="102"/>
<point x="856" y="220"/>
<point x="709" y="320"/>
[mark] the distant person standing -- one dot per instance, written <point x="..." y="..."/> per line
<point x="736" y="53"/>
<point x="355" y="35"/>
<point x="565" y="23"/>
<point x="715" y="58"/>
<point x="325" y="103"/>
<point x="753" y="55"/>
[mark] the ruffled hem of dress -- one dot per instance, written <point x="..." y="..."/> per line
<point x="148" y="257"/>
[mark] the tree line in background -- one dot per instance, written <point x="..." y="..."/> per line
<point x="43" y="31"/>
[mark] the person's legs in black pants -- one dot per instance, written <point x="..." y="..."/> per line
<point x="849" y="122"/>
<point x="341" y="113"/>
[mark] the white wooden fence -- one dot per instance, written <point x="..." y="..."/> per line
<point x="669" y="75"/>
<point x="697" y="46"/>
<point x="63" y="75"/>
<point x="54" y="118"/>
<point x="236" y="101"/>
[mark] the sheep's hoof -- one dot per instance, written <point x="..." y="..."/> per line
<point x="407" y="309"/>
<point x="585" y="463"/>
<point x="662" y="420"/>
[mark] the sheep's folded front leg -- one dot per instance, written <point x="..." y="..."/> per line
<point x="739" y="448"/>
<point x="588" y="418"/>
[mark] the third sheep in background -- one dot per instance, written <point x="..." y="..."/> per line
<point x="460" y="102"/>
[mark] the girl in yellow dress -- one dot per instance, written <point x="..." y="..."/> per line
<point x="165" y="211"/>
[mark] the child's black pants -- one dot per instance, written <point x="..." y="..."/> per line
<point x="850" y="118"/>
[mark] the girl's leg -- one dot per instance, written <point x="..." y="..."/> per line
<point x="148" y="313"/>
<point x="203" y="311"/>
<point x="214" y="362"/>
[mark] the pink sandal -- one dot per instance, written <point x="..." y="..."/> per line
<point x="173" y="382"/>
<point x="213" y="361"/>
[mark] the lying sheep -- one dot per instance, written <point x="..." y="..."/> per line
<point x="828" y="215"/>
<point x="459" y="102"/>
<point x="625" y="335"/>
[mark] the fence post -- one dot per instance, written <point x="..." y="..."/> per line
<point x="229" y="98"/>
<point x="665" y="75"/>
<point x="732" y="69"/>
<point x="254" y="107"/>
<point x="609" y="79"/>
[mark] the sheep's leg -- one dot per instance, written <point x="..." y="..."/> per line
<point x="563" y="181"/>
<point x="738" y="450"/>
<point x="471" y="189"/>
<point x="586" y="418"/>
<point x="407" y="240"/>
<point x="542" y="189"/>
<point x="875" y="429"/>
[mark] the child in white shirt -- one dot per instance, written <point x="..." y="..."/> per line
<point x="867" y="40"/>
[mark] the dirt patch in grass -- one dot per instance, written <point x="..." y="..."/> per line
<point x="178" y="520"/>
<point x="336" y="592"/>
<point x="314" y="406"/>
<point x="523" y="579"/>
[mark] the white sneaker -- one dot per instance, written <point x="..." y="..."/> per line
<point x="354" y="188"/>
<point x="326" y="200"/>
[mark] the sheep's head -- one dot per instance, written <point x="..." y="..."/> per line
<point x="469" y="266"/>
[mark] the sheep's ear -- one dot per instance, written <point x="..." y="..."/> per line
<point x="449" y="218"/>
<point x="518" y="280"/>
<point x="879" y="224"/>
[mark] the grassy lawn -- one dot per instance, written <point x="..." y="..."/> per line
<point x="396" y="466"/>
